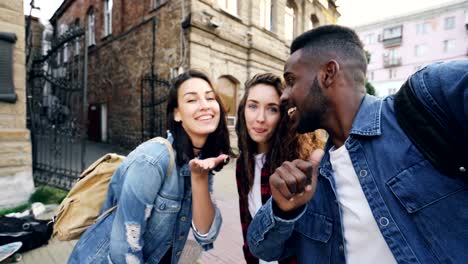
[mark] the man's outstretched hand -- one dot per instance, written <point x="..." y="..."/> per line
<point x="293" y="184"/>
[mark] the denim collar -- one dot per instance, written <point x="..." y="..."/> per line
<point x="367" y="121"/>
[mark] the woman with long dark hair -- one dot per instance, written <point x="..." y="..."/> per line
<point x="265" y="140"/>
<point x="155" y="211"/>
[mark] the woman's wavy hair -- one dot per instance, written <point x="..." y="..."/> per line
<point x="217" y="142"/>
<point x="283" y="144"/>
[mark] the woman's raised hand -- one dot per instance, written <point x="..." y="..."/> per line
<point x="201" y="167"/>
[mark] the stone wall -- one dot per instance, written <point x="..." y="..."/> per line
<point x="238" y="46"/>
<point x="16" y="182"/>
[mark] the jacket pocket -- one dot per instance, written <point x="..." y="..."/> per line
<point x="164" y="205"/>
<point x="315" y="226"/>
<point x="421" y="185"/>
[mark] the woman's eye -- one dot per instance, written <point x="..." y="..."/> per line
<point x="273" y="109"/>
<point x="191" y="100"/>
<point x="210" y="99"/>
<point x="252" y="106"/>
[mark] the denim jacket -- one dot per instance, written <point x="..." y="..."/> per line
<point x="153" y="214"/>
<point x="421" y="213"/>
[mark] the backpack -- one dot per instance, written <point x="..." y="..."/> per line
<point x="81" y="207"/>
<point x="32" y="232"/>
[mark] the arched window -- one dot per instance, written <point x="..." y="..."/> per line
<point x="227" y="86"/>
<point x="91" y="27"/>
<point x="265" y="14"/>
<point x="313" y="22"/>
<point x="229" y="5"/>
<point x="108" y="17"/>
<point x="290" y="16"/>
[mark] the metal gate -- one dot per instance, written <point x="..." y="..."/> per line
<point x="56" y="99"/>
<point x="154" y="92"/>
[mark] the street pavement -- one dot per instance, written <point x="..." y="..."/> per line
<point x="227" y="247"/>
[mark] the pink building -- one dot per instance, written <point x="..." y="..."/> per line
<point x="401" y="45"/>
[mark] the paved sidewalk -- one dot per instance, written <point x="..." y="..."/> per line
<point x="227" y="248"/>
<point x="228" y="245"/>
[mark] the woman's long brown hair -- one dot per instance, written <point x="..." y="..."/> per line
<point x="283" y="144"/>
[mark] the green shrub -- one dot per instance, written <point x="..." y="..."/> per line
<point x="48" y="195"/>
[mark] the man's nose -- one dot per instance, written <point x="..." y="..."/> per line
<point x="285" y="96"/>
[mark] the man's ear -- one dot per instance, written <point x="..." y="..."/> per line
<point x="329" y="73"/>
<point x="177" y="115"/>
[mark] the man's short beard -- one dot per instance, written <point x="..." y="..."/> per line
<point x="311" y="120"/>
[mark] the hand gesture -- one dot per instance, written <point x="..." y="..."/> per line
<point x="200" y="167"/>
<point x="293" y="184"/>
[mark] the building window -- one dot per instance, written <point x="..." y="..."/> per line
<point x="313" y="22"/>
<point x="449" y="23"/>
<point x="77" y="40"/>
<point x="91" y="28"/>
<point x="108" y="17"/>
<point x="158" y="3"/>
<point x="265" y="14"/>
<point x="393" y="32"/>
<point x="227" y="87"/>
<point x="449" y="45"/>
<point x="370" y="39"/>
<point x="229" y="5"/>
<point x="420" y="50"/>
<point x="289" y="20"/>
<point x="423" y="28"/>
<point x="65" y="52"/>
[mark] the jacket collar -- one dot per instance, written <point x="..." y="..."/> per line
<point x="367" y="121"/>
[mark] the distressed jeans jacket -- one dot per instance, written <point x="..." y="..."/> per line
<point x="421" y="213"/>
<point x="147" y="222"/>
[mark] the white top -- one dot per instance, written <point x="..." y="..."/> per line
<point x="255" y="194"/>
<point x="363" y="241"/>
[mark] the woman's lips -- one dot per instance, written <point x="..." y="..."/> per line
<point x="259" y="130"/>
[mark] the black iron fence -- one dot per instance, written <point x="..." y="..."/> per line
<point x="56" y="117"/>
<point x="154" y="92"/>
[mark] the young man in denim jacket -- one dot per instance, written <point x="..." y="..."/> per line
<point x="376" y="197"/>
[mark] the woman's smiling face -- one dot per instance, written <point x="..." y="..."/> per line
<point x="197" y="109"/>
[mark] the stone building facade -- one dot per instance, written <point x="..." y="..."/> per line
<point x="231" y="40"/>
<point x="16" y="181"/>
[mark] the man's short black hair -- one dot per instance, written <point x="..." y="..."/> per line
<point x="334" y="42"/>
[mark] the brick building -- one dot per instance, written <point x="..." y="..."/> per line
<point x="231" y="40"/>
<point x="16" y="182"/>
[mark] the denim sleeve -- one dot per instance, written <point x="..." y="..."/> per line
<point x="142" y="179"/>
<point x="206" y="240"/>
<point x="268" y="234"/>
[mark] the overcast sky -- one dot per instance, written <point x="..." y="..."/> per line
<point x="353" y="12"/>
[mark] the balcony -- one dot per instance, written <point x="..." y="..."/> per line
<point x="392" y="42"/>
<point x="389" y="62"/>
<point x="392" y="36"/>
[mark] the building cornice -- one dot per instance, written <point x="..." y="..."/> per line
<point x="421" y="14"/>
<point x="58" y="13"/>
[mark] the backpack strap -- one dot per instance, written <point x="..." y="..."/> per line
<point x="168" y="171"/>
<point x="171" y="153"/>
